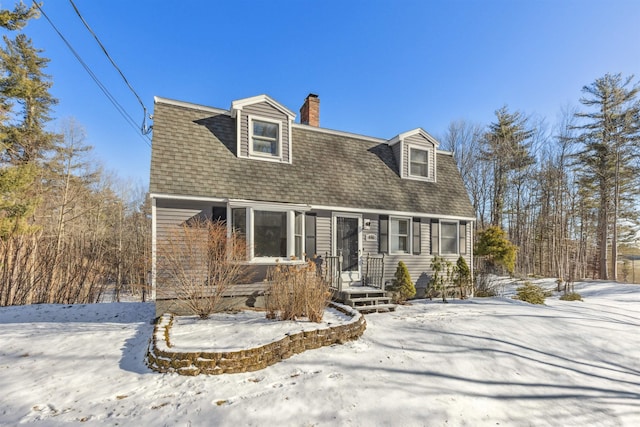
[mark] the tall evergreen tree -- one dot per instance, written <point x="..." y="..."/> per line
<point x="25" y="103"/>
<point x="609" y="136"/>
<point x="506" y="147"/>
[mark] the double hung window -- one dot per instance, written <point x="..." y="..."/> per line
<point x="448" y="237"/>
<point x="418" y="162"/>
<point x="400" y="235"/>
<point x="265" y="138"/>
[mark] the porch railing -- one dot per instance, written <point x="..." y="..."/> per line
<point x="331" y="271"/>
<point x="374" y="271"/>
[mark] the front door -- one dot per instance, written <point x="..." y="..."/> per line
<point x="348" y="241"/>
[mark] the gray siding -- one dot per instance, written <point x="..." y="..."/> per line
<point x="397" y="155"/>
<point x="323" y="233"/>
<point x="419" y="265"/>
<point x="264" y="109"/>
<point x="170" y="215"/>
<point x="419" y="140"/>
<point x="370" y="246"/>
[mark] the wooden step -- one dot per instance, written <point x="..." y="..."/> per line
<point x="370" y="299"/>
<point x="379" y="308"/>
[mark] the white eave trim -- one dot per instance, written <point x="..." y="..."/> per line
<point x="160" y="100"/>
<point x="257" y="204"/>
<point x="239" y="104"/>
<point x="237" y="203"/>
<point x="416" y="131"/>
<point x="194" y="198"/>
<point x="390" y="212"/>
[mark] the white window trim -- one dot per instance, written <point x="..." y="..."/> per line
<point x="457" y="223"/>
<point x="259" y="155"/>
<point x="250" y="234"/>
<point x="409" y="235"/>
<point x="426" y="150"/>
<point x="429" y="152"/>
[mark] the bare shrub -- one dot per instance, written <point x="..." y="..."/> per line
<point x="199" y="262"/>
<point x="484" y="285"/>
<point x="296" y="291"/>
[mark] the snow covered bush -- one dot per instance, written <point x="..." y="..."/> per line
<point x="402" y="288"/>
<point x="296" y="291"/>
<point x="531" y="293"/>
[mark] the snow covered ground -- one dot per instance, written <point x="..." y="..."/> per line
<point x="483" y="362"/>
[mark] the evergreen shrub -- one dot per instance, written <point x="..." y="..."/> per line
<point x="533" y="294"/>
<point x="402" y="287"/>
<point x="571" y="296"/>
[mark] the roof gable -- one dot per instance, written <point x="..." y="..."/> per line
<point x="239" y="104"/>
<point x="414" y="132"/>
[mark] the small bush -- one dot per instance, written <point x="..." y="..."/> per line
<point x="531" y="293"/>
<point x="462" y="276"/>
<point x="571" y="296"/>
<point x="402" y="287"/>
<point x="296" y="291"/>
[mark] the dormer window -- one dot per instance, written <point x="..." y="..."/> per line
<point x="419" y="163"/>
<point x="265" y="138"/>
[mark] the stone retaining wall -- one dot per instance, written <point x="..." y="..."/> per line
<point x="161" y="358"/>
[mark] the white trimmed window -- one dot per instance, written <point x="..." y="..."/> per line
<point x="265" y="137"/>
<point x="271" y="234"/>
<point x="400" y="235"/>
<point x="448" y="238"/>
<point x="418" y="162"/>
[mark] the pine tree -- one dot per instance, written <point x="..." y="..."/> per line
<point x="498" y="250"/>
<point x="609" y="157"/>
<point x="506" y="147"/>
<point x="462" y="276"/>
<point x="25" y="102"/>
<point x="402" y="286"/>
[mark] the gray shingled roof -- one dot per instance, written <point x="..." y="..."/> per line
<point x="194" y="155"/>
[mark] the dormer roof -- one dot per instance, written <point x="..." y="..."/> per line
<point x="410" y="133"/>
<point x="239" y="104"/>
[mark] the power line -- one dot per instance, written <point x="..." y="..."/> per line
<point x="144" y="128"/>
<point x="95" y="78"/>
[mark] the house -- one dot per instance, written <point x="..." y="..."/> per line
<point x="296" y="188"/>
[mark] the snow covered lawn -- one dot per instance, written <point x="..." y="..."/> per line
<point x="481" y="362"/>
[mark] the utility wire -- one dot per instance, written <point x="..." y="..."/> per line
<point x="144" y="128"/>
<point x="93" y="76"/>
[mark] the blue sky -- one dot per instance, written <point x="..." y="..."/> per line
<point x="379" y="67"/>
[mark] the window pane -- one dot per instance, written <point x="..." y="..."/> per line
<point x="268" y="130"/>
<point x="418" y="169"/>
<point x="265" y="146"/>
<point x="449" y="237"/>
<point x="418" y="164"/>
<point x="239" y="220"/>
<point x="270" y="234"/>
<point x="399" y="235"/>
<point x="418" y="156"/>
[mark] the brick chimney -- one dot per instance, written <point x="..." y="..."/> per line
<point x="310" y="111"/>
